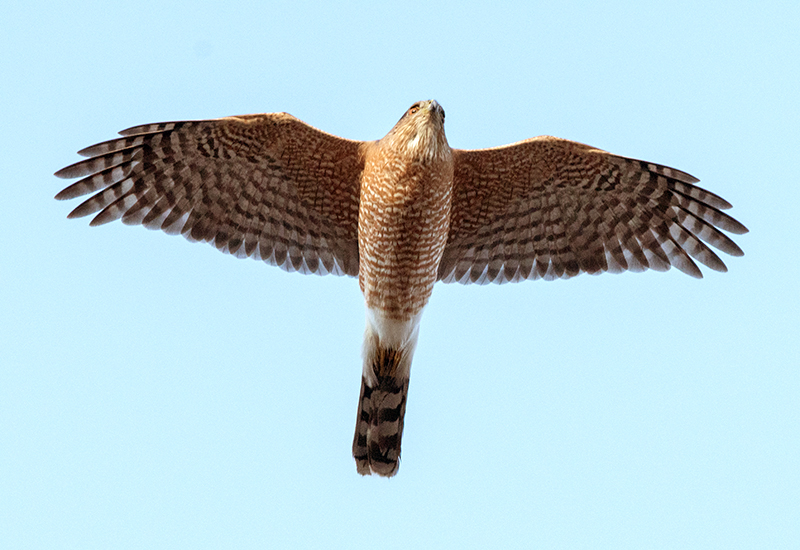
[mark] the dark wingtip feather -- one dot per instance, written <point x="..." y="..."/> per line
<point x="89" y="206"/>
<point x="735" y="250"/>
<point x="736" y="227"/>
<point x="72" y="171"/>
<point x="151" y="128"/>
<point x="680" y="259"/>
<point x="78" y="213"/>
<point x="75" y="190"/>
<point x="63" y="195"/>
<point x="101" y="219"/>
<point x="61" y="174"/>
<point x="692" y="272"/>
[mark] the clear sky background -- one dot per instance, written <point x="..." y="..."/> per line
<point x="158" y="394"/>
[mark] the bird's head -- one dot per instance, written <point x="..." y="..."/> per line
<point x="420" y="132"/>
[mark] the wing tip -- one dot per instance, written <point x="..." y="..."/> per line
<point x="69" y="172"/>
<point x="738" y="228"/>
<point x="79" y="212"/>
<point x="63" y="195"/>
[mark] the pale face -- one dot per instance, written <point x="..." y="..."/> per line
<point x="420" y="132"/>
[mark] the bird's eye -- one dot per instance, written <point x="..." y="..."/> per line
<point x="414" y="108"/>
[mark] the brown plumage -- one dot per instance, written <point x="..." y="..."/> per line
<point x="400" y="213"/>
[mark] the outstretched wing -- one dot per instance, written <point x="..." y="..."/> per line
<point x="265" y="186"/>
<point x="551" y="208"/>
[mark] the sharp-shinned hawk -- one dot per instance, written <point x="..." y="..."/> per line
<point x="400" y="213"/>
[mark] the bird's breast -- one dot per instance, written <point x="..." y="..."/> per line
<point x="404" y="217"/>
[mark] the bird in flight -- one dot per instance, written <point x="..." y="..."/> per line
<point x="400" y="213"/>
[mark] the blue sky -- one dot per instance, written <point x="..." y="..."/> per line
<point x="158" y="394"/>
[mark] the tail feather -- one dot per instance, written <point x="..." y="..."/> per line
<point x="381" y="409"/>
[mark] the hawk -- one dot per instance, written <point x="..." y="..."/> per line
<point x="400" y="213"/>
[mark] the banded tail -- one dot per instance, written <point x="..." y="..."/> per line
<point x="382" y="405"/>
